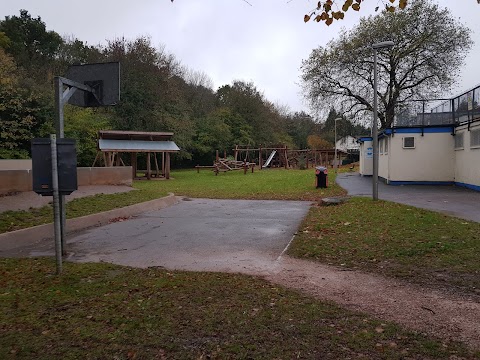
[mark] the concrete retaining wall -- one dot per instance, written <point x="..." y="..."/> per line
<point x="14" y="164"/>
<point x="121" y="175"/>
<point x="26" y="237"/>
<point x="15" y="180"/>
<point x="21" y="180"/>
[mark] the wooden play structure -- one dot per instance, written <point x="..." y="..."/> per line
<point x="281" y="156"/>
<point x="224" y="164"/>
<point x="246" y="157"/>
<point x="112" y="143"/>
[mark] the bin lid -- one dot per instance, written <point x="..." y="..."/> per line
<point x="320" y="168"/>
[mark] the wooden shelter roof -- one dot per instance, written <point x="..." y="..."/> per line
<point x="134" y="135"/>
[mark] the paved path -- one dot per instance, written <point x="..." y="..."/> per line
<point x="450" y="200"/>
<point x="196" y="234"/>
<point x="29" y="199"/>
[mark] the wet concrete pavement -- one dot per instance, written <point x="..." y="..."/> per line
<point x="198" y="234"/>
<point x="449" y="200"/>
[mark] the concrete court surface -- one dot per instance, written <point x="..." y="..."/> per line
<point x="196" y="234"/>
<point x="446" y="199"/>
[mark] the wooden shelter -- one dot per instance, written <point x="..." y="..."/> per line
<point x="112" y="143"/>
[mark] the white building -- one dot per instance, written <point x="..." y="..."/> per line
<point x="348" y="144"/>
<point x="442" y="155"/>
<point x="438" y="147"/>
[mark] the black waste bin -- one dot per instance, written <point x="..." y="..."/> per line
<point x="321" y="177"/>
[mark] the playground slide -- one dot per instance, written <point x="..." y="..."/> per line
<point x="269" y="160"/>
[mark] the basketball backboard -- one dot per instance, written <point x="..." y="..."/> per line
<point x="103" y="77"/>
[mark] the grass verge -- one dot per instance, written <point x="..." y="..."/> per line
<point x="395" y="240"/>
<point x="15" y="220"/>
<point x="105" y="311"/>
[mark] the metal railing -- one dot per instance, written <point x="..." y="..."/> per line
<point x="461" y="109"/>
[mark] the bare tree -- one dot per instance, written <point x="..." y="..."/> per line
<point x="198" y="78"/>
<point x="429" y="50"/>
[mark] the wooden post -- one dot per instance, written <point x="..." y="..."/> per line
<point x="224" y="154"/>
<point x="236" y="152"/>
<point x="286" y="158"/>
<point x="163" y="164"/>
<point x="198" y="168"/>
<point x="95" y="161"/>
<point x="217" y="157"/>
<point x="167" y="165"/>
<point x="306" y="154"/>
<point x="149" y="175"/>
<point x="157" y="171"/>
<point x="260" y="160"/>
<point x="134" y="165"/>
<point x="244" y="166"/>
<point x="118" y="159"/>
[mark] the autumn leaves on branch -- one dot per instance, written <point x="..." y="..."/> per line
<point x="325" y="11"/>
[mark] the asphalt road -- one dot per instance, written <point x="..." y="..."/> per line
<point x="197" y="234"/>
<point x="450" y="200"/>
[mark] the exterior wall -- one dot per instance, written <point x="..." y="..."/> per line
<point x="15" y="164"/>
<point x="347" y="143"/>
<point x="432" y="159"/>
<point x="366" y="158"/>
<point x="21" y="180"/>
<point x="15" y="180"/>
<point x="117" y="175"/>
<point x="467" y="160"/>
<point x="383" y="158"/>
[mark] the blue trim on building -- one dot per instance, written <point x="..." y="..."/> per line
<point x="397" y="183"/>
<point x="468" y="186"/>
<point x="364" y="138"/>
<point x="426" y="130"/>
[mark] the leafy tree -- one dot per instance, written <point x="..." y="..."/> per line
<point x="245" y="100"/>
<point x="31" y="45"/>
<point x="423" y="63"/>
<point x="83" y="125"/>
<point x="74" y="51"/>
<point x="299" y="126"/>
<point x="213" y="133"/>
<point x="318" y="143"/>
<point x="23" y="112"/>
<point x="4" y="40"/>
<point x="325" y="11"/>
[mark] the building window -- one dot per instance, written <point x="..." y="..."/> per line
<point x="459" y="140"/>
<point x="409" y="142"/>
<point x="475" y="138"/>
<point x="386" y="146"/>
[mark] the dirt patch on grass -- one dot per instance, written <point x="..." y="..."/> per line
<point x="448" y="316"/>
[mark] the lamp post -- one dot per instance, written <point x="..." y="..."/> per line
<point x="335" y="163"/>
<point x="375" y="47"/>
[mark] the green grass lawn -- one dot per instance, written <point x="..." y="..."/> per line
<point x="15" y="220"/>
<point x="395" y="240"/>
<point x="265" y="184"/>
<point x="102" y="311"/>
<point x="270" y="184"/>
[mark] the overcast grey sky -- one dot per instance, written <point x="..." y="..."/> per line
<point x="227" y="39"/>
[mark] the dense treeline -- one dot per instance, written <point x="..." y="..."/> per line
<point x="157" y="94"/>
